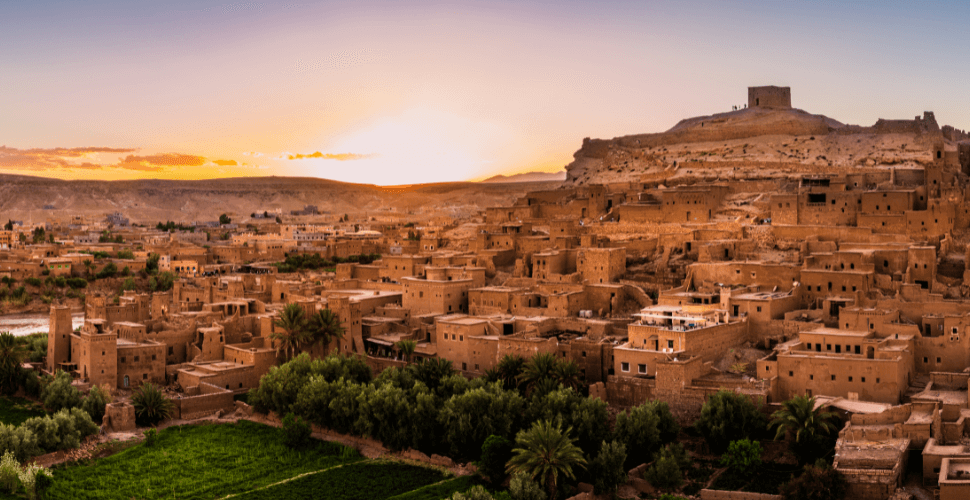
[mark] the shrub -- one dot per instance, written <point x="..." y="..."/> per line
<point x="60" y="393"/>
<point x="28" y="477"/>
<point x="60" y="282"/>
<point x="816" y="483"/>
<point x="665" y="473"/>
<point x="126" y="254"/>
<point x="743" y="457"/>
<point x="128" y="284"/>
<point x="62" y="431"/>
<point x="95" y="402"/>
<point x="607" y="469"/>
<point x="728" y="416"/>
<point x="33" y="281"/>
<point x="522" y="487"/>
<point x="77" y="283"/>
<point x="151" y="436"/>
<point x="8" y="472"/>
<point x="474" y="493"/>
<point x="151" y="406"/>
<point x="496" y="452"/>
<point x="644" y="429"/>
<point x="108" y="271"/>
<point x="296" y="431"/>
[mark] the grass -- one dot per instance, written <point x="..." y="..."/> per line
<point x="443" y="489"/>
<point x="15" y="411"/>
<point x="768" y="479"/>
<point x="371" y="480"/>
<point x="197" y="462"/>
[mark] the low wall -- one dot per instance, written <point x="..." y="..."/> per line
<point x="211" y="399"/>
<point x="736" y="495"/>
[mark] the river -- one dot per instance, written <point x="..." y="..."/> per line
<point x="25" y="324"/>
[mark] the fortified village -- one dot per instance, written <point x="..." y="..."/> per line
<point x="765" y="250"/>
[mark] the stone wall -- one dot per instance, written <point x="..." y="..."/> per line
<point x="211" y="399"/>
<point x="736" y="495"/>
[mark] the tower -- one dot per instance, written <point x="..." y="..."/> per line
<point x="769" y="97"/>
<point x="59" y="337"/>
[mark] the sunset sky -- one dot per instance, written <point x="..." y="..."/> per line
<point x="407" y="92"/>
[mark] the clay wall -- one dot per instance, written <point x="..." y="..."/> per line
<point x="848" y="376"/>
<point x="96" y="357"/>
<point x="140" y="363"/>
<point x="211" y="400"/>
<point x="769" y="97"/>
<point x="735" y="495"/>
<point x="601" y="265"/>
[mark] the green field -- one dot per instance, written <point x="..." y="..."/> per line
<point x="370" y="480"/>
<point x="15" y="411"/>
<point x="249" y="461"/>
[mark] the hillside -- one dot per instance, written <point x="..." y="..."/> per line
<point x="758" y="143"/>
<point x="529" y="177"/>
<point x="24" y="197"/>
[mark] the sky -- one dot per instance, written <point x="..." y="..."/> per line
<point x="412" y="92"/>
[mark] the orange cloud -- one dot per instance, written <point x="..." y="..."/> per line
<point x="225" y="163"/>
<point x="168" y="159"/>
<point x="57" y="158"/>
<point x="331" y="156"/>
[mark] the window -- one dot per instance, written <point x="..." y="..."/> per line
<point x="863" y="379"/>
<point x="670" y="344"/>
<point x="123" y="360"/>
<point x="642" y="368"/>
<point x="877" y="380"/>
<point x="791" y="374"/>
<point x="461" y="338"/>
<point x="759" y="308"/>
<point x="833" y="377"/>
<point x="625" y="367"/>
<point x="938" y="359"/>
<point x="811" y="377"/>
<point x="850" y="379"/>
<point x="144" y="376"/>
<point x="464" y="366"/>
<point x="584" y="354"/>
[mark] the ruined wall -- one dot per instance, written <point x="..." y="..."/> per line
<point x="211" y="399"/>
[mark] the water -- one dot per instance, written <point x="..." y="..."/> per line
<point x="25" y="324"/>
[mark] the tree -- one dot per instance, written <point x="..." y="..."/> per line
<point x="546" y="452"/>
<point x="11" y="357"/>
<point x="294" y="333"/>
<point x="279" y="220"/>
<point x="406" y="347"/>
<point x="8" y="226"/>
<point x="568" y="374"/>
<point x="60" y="393"/>
<point x="541" y="366"/>
<point x="667" y="471"/>
<point x="509" y="368"/>
<point x="108" y="271"/>
<point x="809" y="428"/>
<point x="522" y="487"/>
<point x="323" y="327"/>
<point x="431" y="371"/>
<point x="728" y="416"/>
<point x="607" y="469"/>
<point x="644" y="429"/>
<point x="151" y="405"/>
<point x="224" y="219"/>
<point x="816" y="483"/>
<point x="496" y="452"/>
<point x="743" y="457"/>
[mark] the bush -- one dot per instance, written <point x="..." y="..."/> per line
<point x="33" y="281"/>
<point x="474" y="493"/>
<point x="8" y="472"/>
<point x="95" y="402"/>
<point x="108" y="271"/>
<point x="60" y="393"/>
<point x="126" y="254"/>
<point x="665" y="473"/>
<point x="77" y="283"/>
<point x="151" y="436"/>
<point x="816" y="483"/>
<point x="522" y="487"/>
<point x="496" y="452"/>
<point x="128" y="284"/>
<point x="728" y="416"/>
<point x="151" y="406"/>
<point x="296" y="431"/>
<point x="29" y="478"/>
<point x="743" y="457"/>
<point x="607" y="469"/>
<point x="644" y="429"/>
<point x="62" y="431"/>
<point x="60" y="282"/>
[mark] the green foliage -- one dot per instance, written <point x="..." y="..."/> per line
<point x="743" y="457"/>
<point x="9" y="468"/>
<point x="314" y="261"/>
<point x="126" y="254"/>
<point x="128" y="284"/>
<point x="95" y="402"/>
<point x="811" y="430"/>
<point x="474" y="493"/>
<point x="432" y="371"/>
<point x="728" y="416"/>
<point x="60" y="393"/>
<point x="496" y="452"/>
<point x="665" y="473"/>
<point x="440" y="490"/>
<point x="33" y="281"/>
<point x="108" y="271"/>
<point x="406" y="348"/>
<point x="12" y="355"/>
<point x="587" y="417"/>
<point x="77" y="283"/>
<point x="308" y="380"/>
<point x="292" y="334"/>
<point x="60" y="282"/>
<point x="163" y="282"/>
<point x="607" y="469"/>
<point x="224" y="219"/>
<point x="30" y="476"/>
<point x="523" y="487"/>
<point x="816" y="483"/>
<point x="151" y="265"/>
<point x="151" y="436"/>
<point x="545" y="451"/>
<point x="151" y="405"/>
<point x="644" y="429"/>
<point x="670" y="496"/>
<point x="376" y="480"/>
<point x="323" y="327"/>
<point x="197" y="462"/>
<point x="296" y="431"/>
<point x="171" y="226"/>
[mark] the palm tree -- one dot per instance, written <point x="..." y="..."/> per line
<point x="569" y="375"/>
<point x="541" y="366"/>
<point x="509" y="369"/>
<point x="324" y="326"/>
<point x="406" y="347"/>
<point x="546" y="452"/>
<point x="12" y="356"/>
<point x="294" y="334"/>
<point x="808" y="425"/>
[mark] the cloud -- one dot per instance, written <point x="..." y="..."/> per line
<point x="331" y="156"/>
<point x="60" y="158"/>
<point x="167" y="159"/>
<point x="225" y="163"/>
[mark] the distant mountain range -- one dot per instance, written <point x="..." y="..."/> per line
<point x="529" y="177"/>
